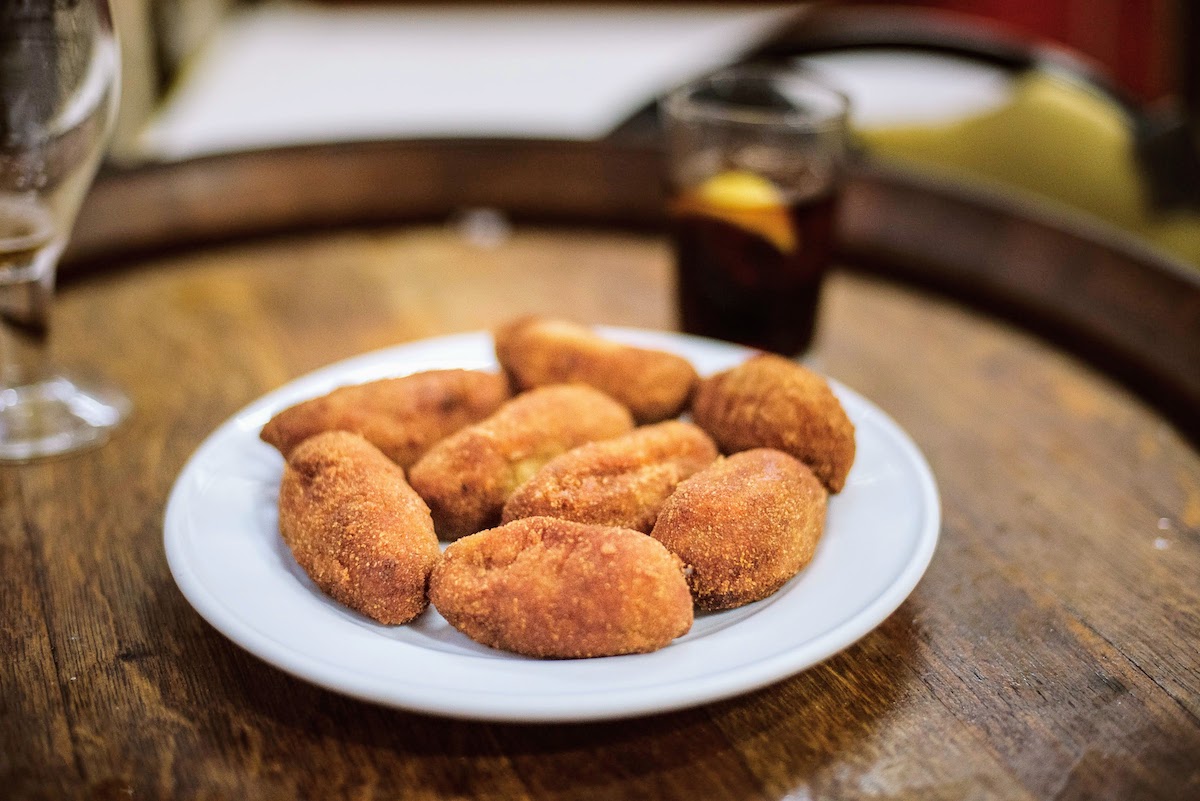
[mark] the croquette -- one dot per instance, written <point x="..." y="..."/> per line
<point x="356" y="527"/>
<point x="402" y="417"/>
<point x="467" y="477"/>
<point x="772" y="402"/>
<point x="744" y="526"/>
<point x="618" y="482"/>
<point x="557" y="589"/>
<point x="535" y="351"/>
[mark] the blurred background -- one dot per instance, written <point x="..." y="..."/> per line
<point x="1081" y="108"/>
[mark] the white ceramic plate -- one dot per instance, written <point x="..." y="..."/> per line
<point x="226" y="555"/>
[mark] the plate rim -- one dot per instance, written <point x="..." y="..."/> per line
<point x="489" y="704"/>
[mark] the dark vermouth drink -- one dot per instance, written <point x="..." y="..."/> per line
<point x="751" y="262"/>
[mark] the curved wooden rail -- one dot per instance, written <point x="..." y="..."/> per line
<point x="1126" y="309"/>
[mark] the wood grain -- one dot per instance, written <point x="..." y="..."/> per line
<point x="1050" y="651"/>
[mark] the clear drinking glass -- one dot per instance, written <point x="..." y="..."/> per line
<point x="59" y="66"/>
<point x="755" y="158"/>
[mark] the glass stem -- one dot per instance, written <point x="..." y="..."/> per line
<point x="25" y="324"/>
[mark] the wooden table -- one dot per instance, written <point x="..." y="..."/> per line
<point x="1051" y="651"/>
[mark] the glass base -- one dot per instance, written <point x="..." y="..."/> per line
<point x="56" y="416"/>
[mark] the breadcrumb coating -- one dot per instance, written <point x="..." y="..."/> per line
<point x="356" y="527"/>
<point x="535" y="351"/>
<point x="618" y="482"/>
<point x="557" y="589"/>
<point x="402" y="417"/>
<point x="772" y="402"/>
<point x="744" y="526"/>
<point x="467" y="477"/>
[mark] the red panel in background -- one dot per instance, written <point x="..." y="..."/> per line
<point x="1129" y="39"/>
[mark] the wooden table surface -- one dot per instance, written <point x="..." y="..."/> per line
<point x="1052" y="650"/>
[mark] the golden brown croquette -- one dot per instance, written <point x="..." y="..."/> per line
<point x="356" y="528"/>
<point x="744" y="526"/>
<point x="402" y="417"/>
<point x="535" y="351"/>
<point x="553" y="588"/>
<point x="467" y="477"/>
<point x="772" y="402"/>
<point x="618" y="482"/>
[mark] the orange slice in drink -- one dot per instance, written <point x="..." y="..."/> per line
<point x="744" y="199"/>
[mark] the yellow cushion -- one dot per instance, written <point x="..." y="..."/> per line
<point x="1057" y="139"/>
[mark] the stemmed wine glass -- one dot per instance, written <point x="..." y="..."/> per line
<point x="59" y="65"/>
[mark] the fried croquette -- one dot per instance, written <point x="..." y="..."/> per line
<point x="402" y="417"/>
<point x="356" y="527"/>
<point x="618" y="482"/>
<point x="744" y="526"/>
<point x="553" y="588"/>
<point x="535" y="351"/>
<point x="772" y="402"/>
<point x="467" y="477"/>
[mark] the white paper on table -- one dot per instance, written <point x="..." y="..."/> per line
<point x="286" y="73"/>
